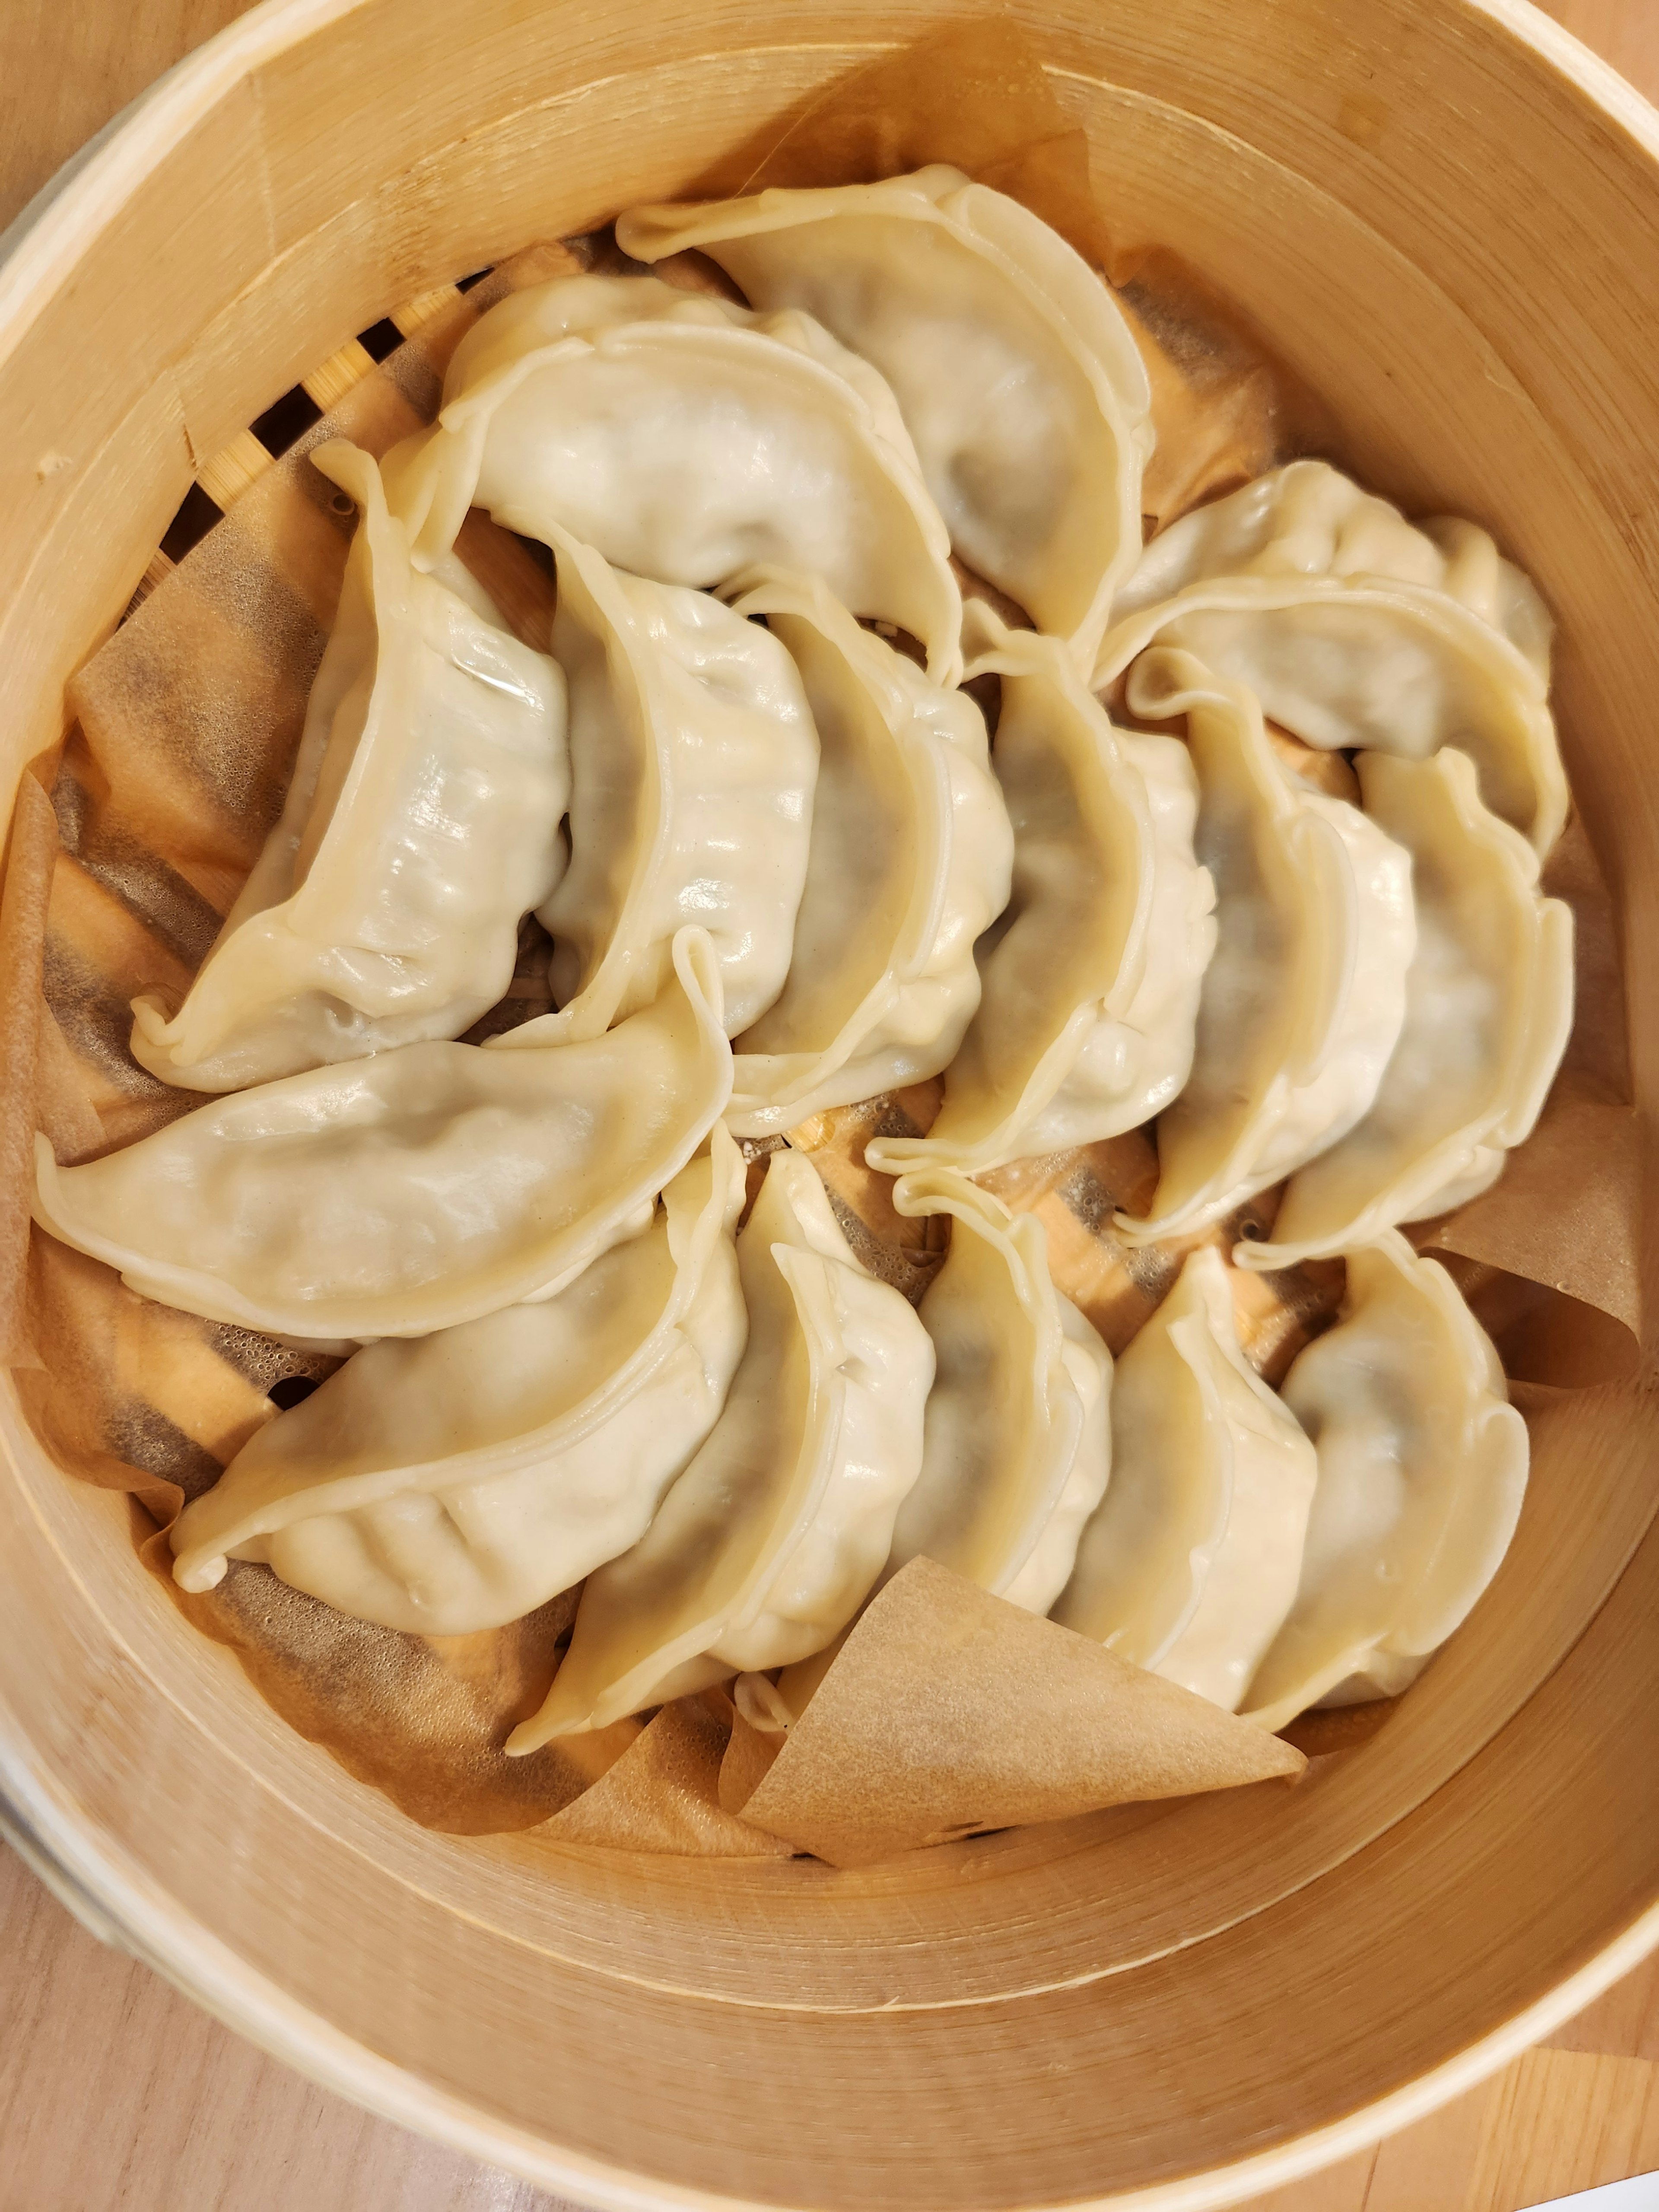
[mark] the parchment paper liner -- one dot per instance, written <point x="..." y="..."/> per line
<point x="948" y="1712"/>
<point x="187" y="722"/>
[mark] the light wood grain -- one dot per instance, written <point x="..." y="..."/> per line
<point x="116" y="2093"/>
<point x="67" y="66"/>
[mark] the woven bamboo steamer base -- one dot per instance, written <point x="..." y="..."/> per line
<point x="1443" y="216"/>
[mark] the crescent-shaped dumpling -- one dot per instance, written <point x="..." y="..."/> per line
<point x="421" y="823"/>
<point x="1371" y="662"/>
<point x="687" y="439"/>
<point x="412" y="1191"/>
<point x="910" y="857"/>
<point x="766" y="1546"/>
<point x="693" y="758"/>
<point x="1488" y="1009"/>
<point x="1422" y="1471"/>
<point x="458" y="1481"/>
<point x="1089" y="982"/>
<point x="1016" y="373"/>
<point x="1307" y="519"/>
<point x="1019" y="1443"/>
<point x="1191" y="1564"/>
<point x="1301" y="1005"/>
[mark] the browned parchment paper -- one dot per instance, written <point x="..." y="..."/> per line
<point x="30" y="856"/>
<point x="663" y="1792"/>
<point x="187" y="722"/>
<point x="948" y="1710"/>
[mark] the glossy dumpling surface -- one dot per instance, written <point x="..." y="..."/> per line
<point x="1371" y="662"/>
<point x="457" y="1481"/>
<point x="768" y="1543"/>
<point x="412" y="1191"/>
<point x="1090" y="980"/>
<point x="1488" y="1010"/>
<point x="1303" y="1004"/>
<point x="910" y="857"/>
<point x="421" y="825"/>
<point x="1191" y="1564"/>
<point x="1307" y="519"/>
<point x="1016" y="375"/>
<point x="693" y="759"/>
<point x="1018" y="1448"/>
<point x="1422" y="1471"/>
<point x="687" y="439"/>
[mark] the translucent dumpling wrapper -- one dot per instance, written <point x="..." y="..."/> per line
<point x="1016" y="373"/>
<point x="1489" y="1000"/>
<point x="457" y="1482"/>
<point x="1422" y="1471"/>
<point x="421" y="823"/>
<point x="1307" y="519"/>
<point x="1301" y="1005"/>
<point x="693" y="759"/>
<point x="1191" y="1564"/>
<point x="413" y="1191"/>
<point x="1089" y="982"/>
<point x="686" y="439"/>
<point x="910" y="859"/>
<point x="1372" y="662"/>
<point x="1019" y="1445"/>
<point x="766" y="1546"/>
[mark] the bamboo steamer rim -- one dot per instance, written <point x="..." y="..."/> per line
<point x="39" y="256"/>
<point x="40" y="248"/>
<point x="123" y="1909"/>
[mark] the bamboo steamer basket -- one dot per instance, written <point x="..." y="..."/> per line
<point x="1443" y="215"/>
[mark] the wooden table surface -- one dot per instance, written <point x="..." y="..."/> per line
<point x="117" y="2096"/>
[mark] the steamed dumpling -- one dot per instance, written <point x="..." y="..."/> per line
<point x="1422" y="1470"/>
<point x="687" y="439"/>
<point x="1488" y="1009"/>
<point x="1016" y="375"/>
<point x="1307" y="519"/>
<point x="768" y="1543"/>
<point x="1018" y="1441"/>
<point x="910" y="861"/>
<point x="1396" y="667"/>
<point x="1091" y="981"/>
<point x="1303" y="1004"/>
<point x="421" y="825"/>
<point x="1191" y="1564"/>
<point x="413" y="1191"/>
<point x="458" y="1481"/>
<point x="693" y="759"/>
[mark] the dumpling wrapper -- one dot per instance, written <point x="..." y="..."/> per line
<point x="768" y="1543"/>
<point x="949" y="1710"/>
<point x="693" y="759"/>
<point x="458" y="1481"/>
<point x="412" y="1191"/>
<point x="1345" y="662"/>
<point x="421" y="825"/>
<point x="1016" y="374"/>
<point x="687" y="439"/>
<point x="1190" y="1565"/>
<point x="1307" y="519"/>
<point x="910" y="860"/>
<point x="1489" y="1000"/>
<point x="1018" y="1443"/>
<point x="1422" y="1471"/>
<point x="1303" y="1002"/>
<point x="1089" y="982"/>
